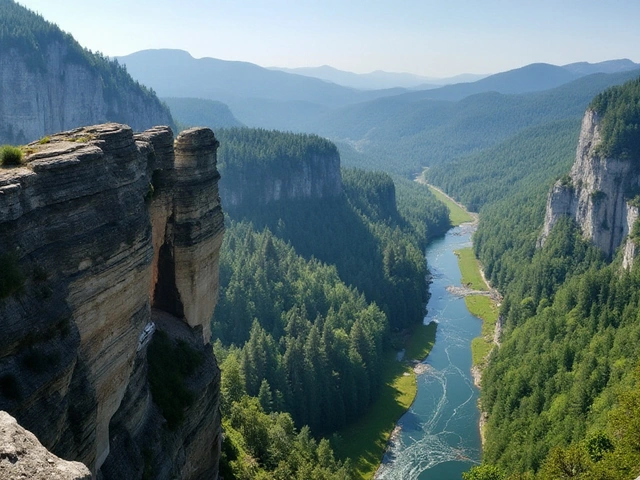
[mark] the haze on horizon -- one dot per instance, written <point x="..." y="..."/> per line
<point x="424" y="37"/>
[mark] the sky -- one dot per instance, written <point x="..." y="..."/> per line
<point x="435" y="38"/>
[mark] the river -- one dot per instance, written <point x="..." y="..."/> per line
<point x="438" y="437"/>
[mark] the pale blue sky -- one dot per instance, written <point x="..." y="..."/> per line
<point x="427" y="37"/>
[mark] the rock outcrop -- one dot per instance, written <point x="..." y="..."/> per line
<point x="596" y="194"/>
<point x="23" y="456"/>
<point x="99" y="226"/>
<point x="64" y="91"/>
<point x="315" y="178"/>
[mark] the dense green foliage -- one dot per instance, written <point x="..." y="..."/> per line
<point x="531" y="157"/>
<point x="170" y="364"/>
<point x="246" y="149"/>
<point x="265" y="446"/>
<point x="199" y="112"/>
<point x="10" y="156"/>
<point x="619" y="111"/>
<point x="310" y="344"/>
<point x="362" y="232"/>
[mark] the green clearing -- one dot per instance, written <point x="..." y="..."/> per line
<point x="470" y="270"/>
<point x="364" y="441"/>
<point x="485" y="309"/>
<point x="457" y="214"/>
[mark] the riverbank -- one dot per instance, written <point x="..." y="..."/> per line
<point x="365" y="441"/>
<point x="458" y="214"/>
<point x="486" y="308"/>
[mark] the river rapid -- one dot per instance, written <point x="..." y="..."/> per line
<point x="438" y="438"/>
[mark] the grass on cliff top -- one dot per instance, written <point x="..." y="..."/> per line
<point x="485" y="309"/>
<point x="470" y="269"/>
<point x="457" y="214"/>
<point x="364" y="441"/>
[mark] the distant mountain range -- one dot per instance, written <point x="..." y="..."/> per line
<point x="379" y="79"/>
<point x="261" y="97"/>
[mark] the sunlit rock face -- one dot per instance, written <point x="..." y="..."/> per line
<point x="61" y="94"/>
<point x="595" y="194"/>
<point x="101" y="225"/>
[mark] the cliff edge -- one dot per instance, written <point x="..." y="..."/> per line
<point x="102" y="231"/>
<point x="597" y="193"/>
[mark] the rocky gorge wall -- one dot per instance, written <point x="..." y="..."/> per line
<point x="60" y="94"/>
<point x="316" y="178"/>
<point x="104" y="231"/>
<point x="596" y="194"/>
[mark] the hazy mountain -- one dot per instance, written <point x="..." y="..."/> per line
<point x="199" y="112"/>
<point x="175" y="73"/>
<point x="530" y="78"/>
<point x="364" y="81"/>
<point x="609" y="66"/>
<point x="405" y="133"/>
<point x="379" y="79"/>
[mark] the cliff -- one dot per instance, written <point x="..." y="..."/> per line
<point x="315" y="178"/>
<point x="260" y="167"/>
<point x="102" y="231"/>
<point x="49" y="83"/>
<point x="597" y="194"/>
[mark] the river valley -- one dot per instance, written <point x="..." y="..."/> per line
<point x="438" y="437"/>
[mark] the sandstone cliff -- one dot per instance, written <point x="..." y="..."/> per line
<point x="596" y="194"/>
<point x="101" y="226"/>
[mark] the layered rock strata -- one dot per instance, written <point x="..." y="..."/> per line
<point x="101" y="225"/>
<point x="596" y="194"/>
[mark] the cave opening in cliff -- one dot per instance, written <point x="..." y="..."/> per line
<point x="166" y="296"/>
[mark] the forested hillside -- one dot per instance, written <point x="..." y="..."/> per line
<point x="561" y="392"/>
<point x="534" y="156"/>
<point x="314" y="291"/>
<point x="404" y="133"/>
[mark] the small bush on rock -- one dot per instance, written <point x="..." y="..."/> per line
<point x="10" y="155"/>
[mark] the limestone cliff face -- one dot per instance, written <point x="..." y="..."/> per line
<point x="316" y="178"/>
<point x="595" y="193"/>
<point x="102" y="226"/>
<point x="62" y="94"/>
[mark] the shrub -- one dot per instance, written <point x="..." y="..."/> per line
<point x="10" y="155"/>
